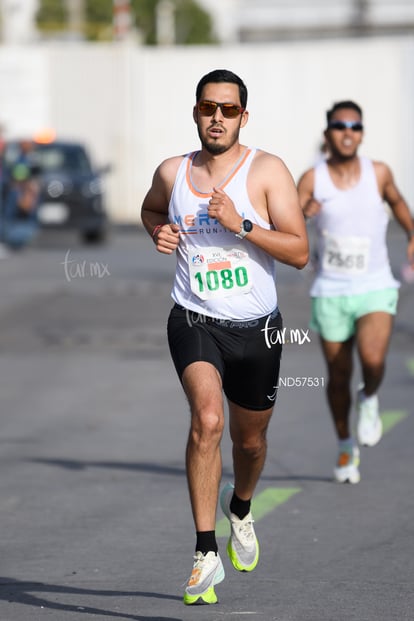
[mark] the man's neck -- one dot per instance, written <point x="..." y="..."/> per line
<point x="345" y="172"/>
<point x="340" y="161"/>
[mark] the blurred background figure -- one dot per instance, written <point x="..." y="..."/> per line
<point x="20" y="200"/>
<point x="3" y="249"/>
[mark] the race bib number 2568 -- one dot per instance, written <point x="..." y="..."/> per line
<point x="346" y="255"/>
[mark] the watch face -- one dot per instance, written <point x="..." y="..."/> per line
<point x="247" y="225"/>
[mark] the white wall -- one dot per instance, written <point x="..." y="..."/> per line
<point x="133" y="105"/>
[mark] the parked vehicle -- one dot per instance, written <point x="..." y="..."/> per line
<point x="71" y="190"/>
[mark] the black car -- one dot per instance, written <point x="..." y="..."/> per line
<point x="71" y="190"/>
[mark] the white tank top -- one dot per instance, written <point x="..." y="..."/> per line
<point x="351" y="236"/>
<point x="218" y="274"/>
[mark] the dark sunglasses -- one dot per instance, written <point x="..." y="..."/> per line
<point x="356" y="126"/>
<point x="228" y="110"/>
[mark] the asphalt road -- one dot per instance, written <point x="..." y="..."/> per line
<point x="94" y="514"/>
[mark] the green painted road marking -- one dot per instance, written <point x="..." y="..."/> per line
<point x="410" y="365"/>
<point x="264" y="503"/>
<point x="390" y="418"/>
<point x="272" y="497"/>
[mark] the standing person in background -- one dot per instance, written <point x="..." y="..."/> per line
<point x="354" y="294"/>
<point x="228" y="212"/>
<point x="3" y="247"/>
<point x="20" y="200"/>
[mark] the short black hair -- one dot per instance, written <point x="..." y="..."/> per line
<point x="223" y="75"/>
<point x="343" y="105"/>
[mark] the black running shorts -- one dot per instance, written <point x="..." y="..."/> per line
<point x="245" y="353"/>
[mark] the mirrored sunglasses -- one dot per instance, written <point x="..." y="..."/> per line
<point x="355" y="126"/>
<point x="228" y="110"/>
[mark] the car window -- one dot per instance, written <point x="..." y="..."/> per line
<point x="71" y="158"/>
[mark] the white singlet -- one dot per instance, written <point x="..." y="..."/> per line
<point x="351" y="230"/>
<point x="218" y="274"/>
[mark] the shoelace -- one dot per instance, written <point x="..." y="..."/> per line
<point x="244" y="530"/>
<point x="369" y="412"/>
<point x="199" y="561"/>
<point x="369" y="408"/>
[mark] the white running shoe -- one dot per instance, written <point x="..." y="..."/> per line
<point x="242" y="547"/>
<point x="207" y="571"/>
<point x="369" y="429"/>
<point x="346" y="469"/>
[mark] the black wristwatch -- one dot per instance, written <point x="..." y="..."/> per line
<point x="246" y="227"/>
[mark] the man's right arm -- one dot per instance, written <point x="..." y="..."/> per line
<point x="309" y="205"/>
<point x="154" y="210"/>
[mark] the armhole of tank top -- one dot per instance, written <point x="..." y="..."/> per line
<point x="182" y="165"/>
<point x="182" y="168"/>
<point x="367" y="165"/>
<point x="249" y="157"/>
<point x="320" y="175"/>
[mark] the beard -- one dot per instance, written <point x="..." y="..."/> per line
<point x="341" y="156"/>
<point x="345" y="157"/>
<point x="214" y="147"/>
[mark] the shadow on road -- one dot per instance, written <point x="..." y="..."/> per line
<point x="157" y="468"/>
<point x="21" y="592"/>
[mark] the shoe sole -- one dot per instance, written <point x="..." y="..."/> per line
<point x="235" y="560"/>
<point x="208" y="597"/>
<point x="349" y="474"/>
<point x="375" y="439"/>
<point x="352" y="478"/>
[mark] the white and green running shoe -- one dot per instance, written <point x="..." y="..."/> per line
<point x="242" y="547"/>
<point x="369" y="422"/>
<point x="207" y="571"/>
<point x="346" y="469"/>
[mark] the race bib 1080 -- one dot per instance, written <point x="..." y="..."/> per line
<point x="219" y="272"/>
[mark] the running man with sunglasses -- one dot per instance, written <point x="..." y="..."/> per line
<point x="354" y="295"/>
<point x="228" y="212"/>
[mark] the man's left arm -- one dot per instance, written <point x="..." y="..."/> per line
<point x="398" y="205"/>
<point x="274" y="196"/>
<point x="277" y="192"/>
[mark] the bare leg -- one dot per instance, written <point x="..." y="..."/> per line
<point x="373" y="337"/>
<point x="248" y="433"/>
<point x="202" y="385"/>
<point x="338" y="357"/>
